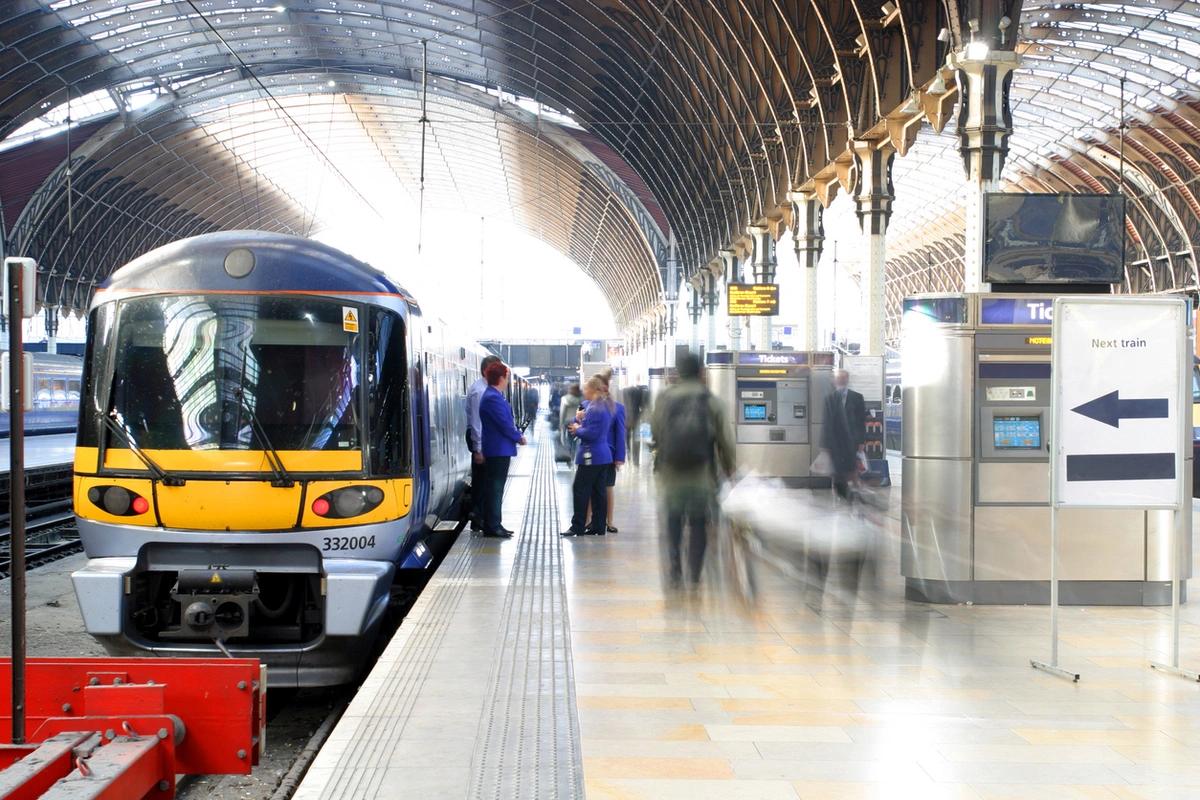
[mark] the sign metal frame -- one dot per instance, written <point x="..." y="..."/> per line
<point x="1058" y="408"/>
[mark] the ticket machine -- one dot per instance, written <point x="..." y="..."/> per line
<point x="975" y="514"/>
<point x="773" y="400"/>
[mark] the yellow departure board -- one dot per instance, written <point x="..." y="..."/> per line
<point x="753" y="299"/>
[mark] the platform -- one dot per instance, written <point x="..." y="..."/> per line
<point x="550" y="668"/>
<point x="57" y="449"/>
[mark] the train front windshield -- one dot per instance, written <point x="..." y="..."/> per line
<point x="203" y="372"/>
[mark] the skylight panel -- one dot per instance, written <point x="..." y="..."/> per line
<point x="54" y="117"/>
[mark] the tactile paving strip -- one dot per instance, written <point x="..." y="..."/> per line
<point x="528" y="742"/>
<point x="361" y="769"/>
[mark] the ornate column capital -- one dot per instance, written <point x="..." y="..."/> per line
<point x="984" y="117"/>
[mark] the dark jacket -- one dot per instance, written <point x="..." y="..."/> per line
<point x="844" y="429"/>
<point x="595" y="435"/>
<point x="703" y="478"/>
<point x="500" y="435"/>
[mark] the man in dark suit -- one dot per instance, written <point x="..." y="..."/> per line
<point x="844" y="430"/>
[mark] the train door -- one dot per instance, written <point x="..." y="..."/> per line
<point x="420" y="416"/>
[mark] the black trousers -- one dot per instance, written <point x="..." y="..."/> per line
<point x="495" y="470"/>
<point x="590" y="485"/>
<point x="478" y="488"/>
<point x="477" y="481"/>
<point x="696" y="511"/>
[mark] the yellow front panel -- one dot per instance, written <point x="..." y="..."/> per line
<point x="397" y="499"/>
<point x="89" y="510"/>
<point x="208" y="505"/>
<point x="220" y="461"/>
<point x="225" y="461"/>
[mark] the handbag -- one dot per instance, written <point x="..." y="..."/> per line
<point x="823" y="464"/>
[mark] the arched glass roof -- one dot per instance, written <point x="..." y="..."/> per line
<point x="1068" y="105"/>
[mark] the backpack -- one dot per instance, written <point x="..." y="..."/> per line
<point x="687" y="440"/>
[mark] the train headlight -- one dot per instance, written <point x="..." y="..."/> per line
<point x="349" y="501"/>
<point x="118" y="501"/>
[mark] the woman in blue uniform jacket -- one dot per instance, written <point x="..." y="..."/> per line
<point x="593" y="458"/>
<point x="500" y="439"/>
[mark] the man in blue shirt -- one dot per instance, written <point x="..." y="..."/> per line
<point x="500" y="438"/>
<point x="475" y="441"/>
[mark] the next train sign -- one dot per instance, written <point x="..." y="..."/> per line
<point x="1122" y="399"/>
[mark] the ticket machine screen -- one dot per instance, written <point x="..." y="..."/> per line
<point x="754" y="412"/>
<point x="1017" y="433"/>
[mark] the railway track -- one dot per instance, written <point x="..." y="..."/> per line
<point x="50" y="534"/>
<point x="50" y="530"/>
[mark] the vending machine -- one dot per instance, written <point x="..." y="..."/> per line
<point x="773" y="401"/>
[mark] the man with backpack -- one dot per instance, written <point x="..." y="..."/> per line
<point x="693" y="450"/>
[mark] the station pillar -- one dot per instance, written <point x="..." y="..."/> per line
<point x="696" y="309"/>
<point x="52" y="321"/>
<point x="873" y="195"/>
<point x="733" y="274"/>
<point x="711" y="288"/>
<point x="984" y="125"/>
<point x="763" y="264"/>
<point x="808" y="238"/>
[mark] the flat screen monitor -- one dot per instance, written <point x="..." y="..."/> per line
<point x="1054" y="238"/>
<point x="754" y="412"/>
<point x="1017" y="432"/>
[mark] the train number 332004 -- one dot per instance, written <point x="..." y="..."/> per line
<point x="347" y="542"/>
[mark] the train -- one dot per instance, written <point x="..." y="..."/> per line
<point x="270" y="432"/>
<point x="55" y="392"/>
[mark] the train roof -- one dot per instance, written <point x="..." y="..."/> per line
<point x="277" y="263"/>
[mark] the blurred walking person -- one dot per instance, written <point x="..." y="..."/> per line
<point x="500" y="438"/>
<point x="566" y="415"/>
<point x="693" y="453"/>
<point x="844" y="431"/>
<point x="475" y="441"/>
<point x="593" y="458"/>
<point x="635" y="406"/>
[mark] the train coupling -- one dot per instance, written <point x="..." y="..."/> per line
<point x="214" y="603"/>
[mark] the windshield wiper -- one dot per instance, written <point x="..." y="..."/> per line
<point x="283" y="479"/>
<point x="160" y="474"/>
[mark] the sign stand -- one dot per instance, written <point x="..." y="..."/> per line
<point x="1176" y="590"/>
<point x="1118" y="428"/>
<point x="1052" y="666"/>
<point x="1177" y="559"/>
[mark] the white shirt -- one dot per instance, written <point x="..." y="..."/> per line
<point x="474" y="396"/>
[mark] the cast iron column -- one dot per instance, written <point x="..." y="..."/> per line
<point x="873" y="194"/>
<point x="808" y="237"/>
<point x="984" y="125"/>
<point x="762" y="261"/>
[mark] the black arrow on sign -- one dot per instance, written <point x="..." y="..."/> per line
<point x="1111" y="409"/>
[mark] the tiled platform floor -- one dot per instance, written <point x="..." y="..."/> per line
<point x="810" y="695"/>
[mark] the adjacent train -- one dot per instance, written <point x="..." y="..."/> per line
<point x="269" y="432"/>
<point x="55" y="389"/>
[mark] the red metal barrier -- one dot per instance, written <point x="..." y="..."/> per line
<point x="123" y="728"/>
